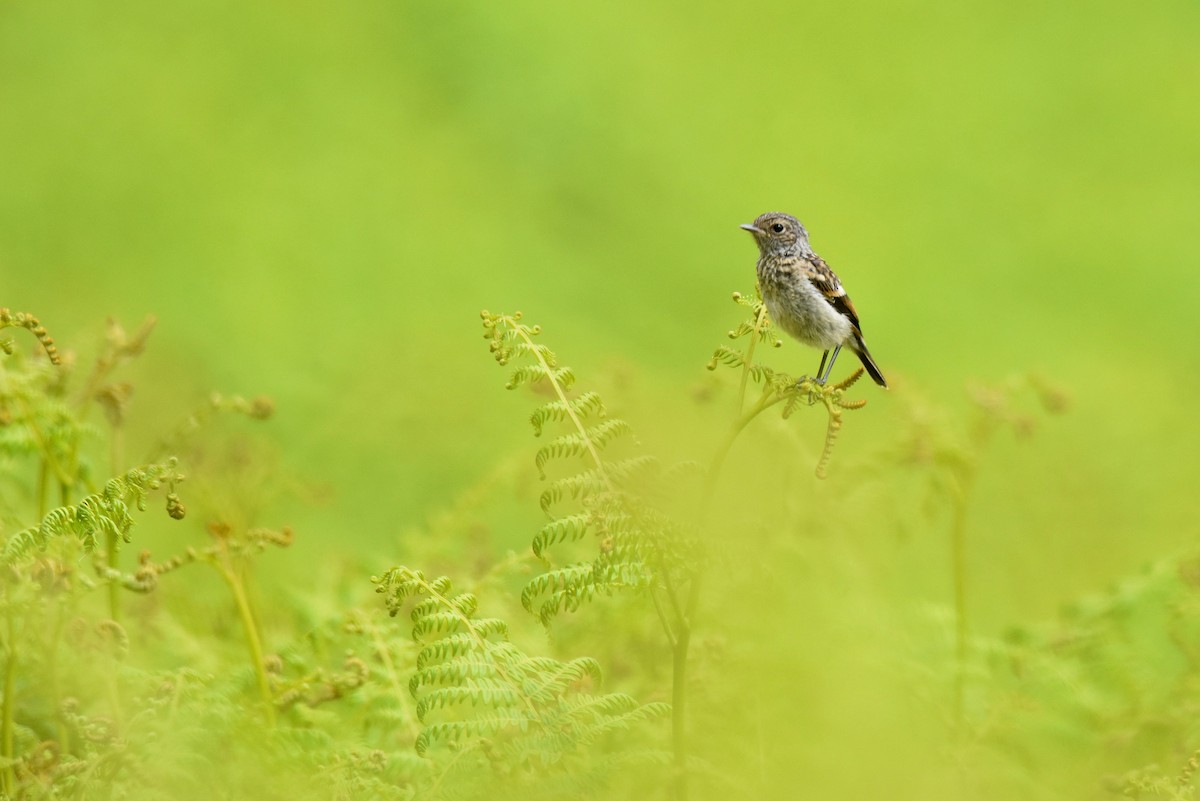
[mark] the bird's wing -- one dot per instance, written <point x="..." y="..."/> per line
<point x="827" y="281"/>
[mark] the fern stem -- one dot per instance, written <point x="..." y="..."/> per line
<point x="958" y="546"/>
<point x="480" y="640"/>
<point x="678" y="720"/>
<point x="253" y="640"/>
<point x="113" y="557"/>
<point x="60" y="619"/>
<point x="679" y="665"/>
<point x="759" y="319"/>
<point x="433" y="790"/>
<point x="768" y="399"/>
<point x="114" y="588"/>
<point x="662" y="617"/>
<point x="44" y="446"/>
<point x="562" y="397"/>
<point x="385" y="656"/>
<point x="43" y="485"/>
<point x="10" y="681"/>
<point x="681" y="616"/>
<point x="112" y="688"/>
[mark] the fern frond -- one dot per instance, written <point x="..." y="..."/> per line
<point x="633" y="469"/>
<point x="579" y="485"/>
<point x="850" y="380"/>
<point x="23" y="543"/>
<point x="594" y="706"/>
<point x="105" y="512"/>
<point x="533" y="349"/>
<point x="464" y="604"/>
<point x="9" y="318"/>
<point x="471" y="683"/>
<point x="564" y="601"/>
<point x="622" y="720"/>
<point x="525" y="374"/>
<point x="456" y="731"/>
<point x="479" y="692"/>
<point x="531" y="374"/>
<point x="553" y="678"/>
<point x="450" y="647"/>
<point x="437" y="623"/>
<point x="561" y="580"/>
<point x="617" y="575"/>
<point x="777" y="387"/>
<point x="742" y="328"/>
<point x="730" y="357"/>
<point x="831" y="433"/>
<point x="591" y="438"/>
<point x="490" y="626"/>
<point x="565" y="529"/>
<point x="470" y="664"/>
<point x="587" y="404"/>
<point x="632" y="556"/>
<point x="399" y="584"/>
<point x="567" y="589"/>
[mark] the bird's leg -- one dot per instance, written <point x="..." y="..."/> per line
<point x="816" y="376"/>
<point x="822" y="377"/>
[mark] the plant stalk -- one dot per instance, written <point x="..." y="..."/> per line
<point x="958" y="539"/>
<point x="253" y="640"/>
<point x="678" y="708"/>
<point x="10" y="682"/>
<point x="114" y="590"/>
<point x="768" y="399"/>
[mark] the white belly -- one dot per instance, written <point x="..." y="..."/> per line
<point x="801" y="310"/>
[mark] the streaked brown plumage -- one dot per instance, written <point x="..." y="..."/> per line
<point x="803" y="296"/>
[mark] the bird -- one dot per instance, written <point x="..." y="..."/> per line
<point x="803" y="296"/>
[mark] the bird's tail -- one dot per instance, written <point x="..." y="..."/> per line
<point x="864" y="356"/>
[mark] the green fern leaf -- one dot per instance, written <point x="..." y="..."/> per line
<point x="450" y="647"/>
<point x="554" y="678"/>
<point x="574" y="444"/>
<point x="730" y="357"/>
<point x="470" y="665"/>
<point x="577" y="486"/>
<point x="553" y="581"/>
<point x="587" y="404"/>
<point x="492" y="695"/>
<point x="565" y="529"/>
<point x="437" y="623"/>
<point x="103" y="513"/>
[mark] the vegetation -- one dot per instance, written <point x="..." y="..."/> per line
<point x="110" y="693"/>
<point x="716" y="584"/>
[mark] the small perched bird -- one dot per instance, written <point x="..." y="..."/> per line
<point x="803" y="296"/>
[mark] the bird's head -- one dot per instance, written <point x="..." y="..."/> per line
<point x="776" y="232"/>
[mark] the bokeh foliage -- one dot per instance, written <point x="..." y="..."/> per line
<point x="316" y="199"/>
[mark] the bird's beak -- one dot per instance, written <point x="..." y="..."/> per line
<point x="751" y="228"/>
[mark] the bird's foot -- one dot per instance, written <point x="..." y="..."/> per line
<point x="814" y="387"/>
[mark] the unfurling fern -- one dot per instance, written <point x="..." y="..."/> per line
<point x="474" y="687"/>
<point x="777" y="387"/>
<point x="11" y="319"/>
<point x="636" y="547"/>
<point x="104" y="512"/>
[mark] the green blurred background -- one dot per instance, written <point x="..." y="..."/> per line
<point x="317" y="199"/>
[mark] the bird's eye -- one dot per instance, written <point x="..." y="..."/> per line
<point x="777" y="228"/>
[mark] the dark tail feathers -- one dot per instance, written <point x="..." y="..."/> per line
<point x="864" y="356"/>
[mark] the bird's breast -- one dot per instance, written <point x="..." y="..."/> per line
<point x="800" y="309"/>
